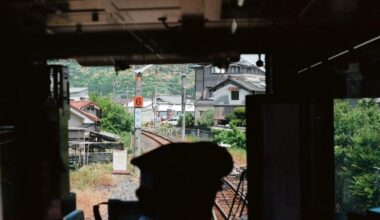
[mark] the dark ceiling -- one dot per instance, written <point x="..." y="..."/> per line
<point x="174" y="31"/>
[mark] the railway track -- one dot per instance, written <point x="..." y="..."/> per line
<point x="231" y="201"/>
<point x="156" y="138"/>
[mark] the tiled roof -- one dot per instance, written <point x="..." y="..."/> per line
<point x="246" y="82"/>
<point x="81" y="104"/>
<point x="78" y="105"/>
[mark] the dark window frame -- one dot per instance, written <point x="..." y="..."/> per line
<point x="235" y="95"/>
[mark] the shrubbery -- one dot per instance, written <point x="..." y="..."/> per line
<point x="115" y="118"/>
<point x="206" y="119"/>
<point x="237" y="117"/>
<point x="233" y="137"/>
<point x="189" y="120"/>
<point x="357" y="154"/>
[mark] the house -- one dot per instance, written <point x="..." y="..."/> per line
<point x="208" y="76"/>
<point x="166" y="107"/>
<point x="78" y="93"/>
<point x="170" y="106"/>
<point x="231" y="93"/>
<point x="84" y="126"/>
<point x="147" y="113"/>
<point x="85" y="114"/>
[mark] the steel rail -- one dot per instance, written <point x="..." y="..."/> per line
<point x="238" y="194"/>
<point x="154" y="136"/>
<point x="236" y="190"/>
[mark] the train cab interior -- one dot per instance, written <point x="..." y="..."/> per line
<point x="315" y="51"/>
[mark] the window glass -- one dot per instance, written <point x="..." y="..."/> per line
<point x="216" y="70"/>
<point x="234" y="95"/>
<point x="234" y="69"/>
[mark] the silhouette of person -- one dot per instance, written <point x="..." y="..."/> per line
<point x="180" y="180"/>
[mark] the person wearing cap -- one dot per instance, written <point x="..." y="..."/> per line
<point x="180" y="180"/>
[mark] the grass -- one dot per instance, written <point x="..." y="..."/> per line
<point x="191" y="138"/>
<point x="92" y="176"/>
<point x="90" y="184"/>
<point x="239" y="156"/>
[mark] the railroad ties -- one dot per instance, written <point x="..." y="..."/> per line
<point x="231" y="201"/>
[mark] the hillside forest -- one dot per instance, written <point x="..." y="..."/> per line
<point x="105" y="81"/>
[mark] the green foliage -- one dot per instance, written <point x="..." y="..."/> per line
<point x="234" y="137"/>
<point x="189" y="120"/>
<point x="357" y="154"/>
<point x="237" y="117"/>
<point x="115" y="118"/>
<point x="191" y="138"/>
<point x="126" y="138"/>
<point x="105" y="82"/>
<point x="206" y="119"/>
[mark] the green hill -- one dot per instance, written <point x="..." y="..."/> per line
<point x="105" y="82"/>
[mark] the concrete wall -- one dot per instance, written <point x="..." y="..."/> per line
<point x="204" y="80"/>
<point x="77" y="96"/>
<point x="75" y="121"/>
<point x="222" y="96"/>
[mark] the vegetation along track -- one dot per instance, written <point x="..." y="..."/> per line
<point x="231" y="201"/>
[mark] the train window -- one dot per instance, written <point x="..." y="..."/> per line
<point x="357" y="154"/>
<point x="101" y="145"/>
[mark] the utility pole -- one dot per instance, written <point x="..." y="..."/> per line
<point x="138" y="93"/>
<point x="126" y="97"/>
<point x="154" y="104"/>
<point x="183" y="103"/>
<point x="138" y="104"/>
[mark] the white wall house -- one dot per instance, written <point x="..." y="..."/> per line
<point x="208" y="76"/>
<point x="147" y="114"/>
<point x="167" y="111"/>
<point x="170" y="106"/>
<point x="80" y="120"/>
<point x="79" y="93"/>
<point x="231" y="93"/>
<point x="167" y="107"/>
<point x="84" y="114"/>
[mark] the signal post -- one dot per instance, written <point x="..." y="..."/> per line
<point x="138" y="104"/>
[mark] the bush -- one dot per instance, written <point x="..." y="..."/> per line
<point x="233" y="137"/>
<point x="126" y="138"/>
<point x="115" y="118"/>
<point x="237" y="117"/>
<point x="357" y="154"/>
<point x="206" y="119"/>
<point x="189" y="120"/>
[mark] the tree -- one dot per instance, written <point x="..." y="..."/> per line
<point x="233" y="137"/>
<point x="189" y="120"/>
<point x="115" y="118"/>
<point x="237" y="117"/>
<point x="357" y="154"/>
<point x="206" y="119"/>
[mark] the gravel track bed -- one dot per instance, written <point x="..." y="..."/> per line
<point x="125" y="188"/>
